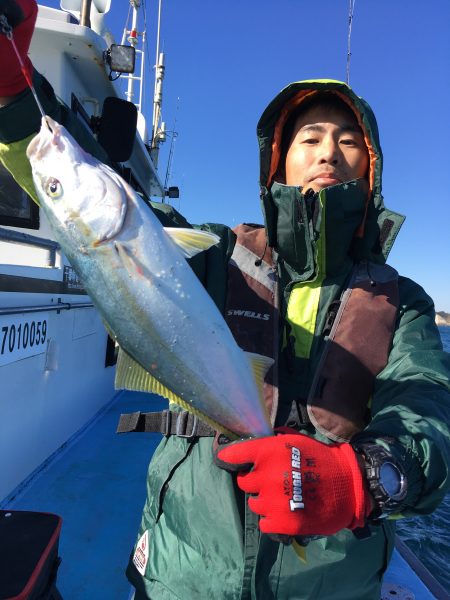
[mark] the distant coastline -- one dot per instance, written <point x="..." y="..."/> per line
<point x="443" y="318"/>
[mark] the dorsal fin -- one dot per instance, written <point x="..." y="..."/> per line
<point x="191" y="241"/>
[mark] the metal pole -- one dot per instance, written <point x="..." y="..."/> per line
<point x="141" y="84"/>
<point x="85" y="15"/>
<point x="133" y="40"/>
<point x="155" y="107"/>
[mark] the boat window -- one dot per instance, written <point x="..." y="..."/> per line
<point x="17" y="209"/>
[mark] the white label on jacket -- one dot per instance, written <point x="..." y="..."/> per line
<point x="250" y="314"/>
<point x="140" y="557"/>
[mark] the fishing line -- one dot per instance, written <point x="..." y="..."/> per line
<point x="351" y="9"/>
<point x="6" y="29"/>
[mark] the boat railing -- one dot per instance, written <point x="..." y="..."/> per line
<point x="18" y="237"/>
<point x="44" y="308"/>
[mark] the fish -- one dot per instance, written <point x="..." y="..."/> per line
<point x="173" y="339"/>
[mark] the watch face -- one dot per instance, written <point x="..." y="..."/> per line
<point x="390" y="478"/>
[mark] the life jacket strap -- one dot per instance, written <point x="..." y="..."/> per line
<point x="183" y="424"/>
<point x="298" y="417"/>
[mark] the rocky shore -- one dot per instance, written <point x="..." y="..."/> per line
<point x="443" y="318"/>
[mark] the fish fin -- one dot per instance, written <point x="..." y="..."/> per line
<point x="260" y="365"/>
<point x="191" y="241"/>
<point x="300" y="551"/>
<point x="130" y="260"/>
<point x="131" y="376"/>
<point x="109" y="331"/>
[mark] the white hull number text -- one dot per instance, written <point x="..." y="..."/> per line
<point x="22" y="336"/>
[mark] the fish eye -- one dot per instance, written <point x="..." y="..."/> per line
<point x="53" y="188"/>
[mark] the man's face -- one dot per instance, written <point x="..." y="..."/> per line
<point x="327" y="148"/>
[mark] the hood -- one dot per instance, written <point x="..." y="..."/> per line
<point x="373" y="227"/>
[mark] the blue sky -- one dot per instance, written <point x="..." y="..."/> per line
<point x="225" y="60"/>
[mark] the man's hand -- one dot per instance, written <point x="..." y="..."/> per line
<point x="21" y="16"/>
<point x="299" y="486"/>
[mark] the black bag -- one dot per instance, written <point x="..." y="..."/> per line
<point x="29" y="555"/>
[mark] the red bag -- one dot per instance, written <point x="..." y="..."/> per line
<point x="29" y="555"/>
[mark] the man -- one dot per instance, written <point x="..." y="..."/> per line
<point x="367" y="411"/>
<point x="358" y="393"/>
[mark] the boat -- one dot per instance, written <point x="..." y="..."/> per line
<point x="52" y="339"/>
<point x="58" y="449"/>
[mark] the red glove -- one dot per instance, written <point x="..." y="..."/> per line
<point x="12" y="80"/>
<point x="301" y="486"/>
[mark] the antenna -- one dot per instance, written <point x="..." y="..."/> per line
<point x="174" y="133"/>
<point x="351" y="8"/>
<point x="158" y="131"/>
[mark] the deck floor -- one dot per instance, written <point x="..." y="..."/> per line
<point x="97" y="485"/>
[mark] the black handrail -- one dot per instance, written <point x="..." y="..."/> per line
<point x="18" y="237"/>
<point x="44" y="307"/>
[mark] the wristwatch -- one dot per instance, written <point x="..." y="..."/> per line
<point x="385" y="477"/>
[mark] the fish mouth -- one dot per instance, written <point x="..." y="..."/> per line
<point x="48" y="134"/>
<point x="33" y="147"/>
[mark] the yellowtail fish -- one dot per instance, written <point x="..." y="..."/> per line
<point x="175" y="342"/>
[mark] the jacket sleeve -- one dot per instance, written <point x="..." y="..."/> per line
<point x="19" y="123"/>
<point x="13" y="157"/>
<point x="411" y="401"/>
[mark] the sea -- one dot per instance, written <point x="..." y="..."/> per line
<point x="428" y="537"/>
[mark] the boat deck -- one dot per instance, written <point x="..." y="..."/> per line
<point x="97" y="484"/>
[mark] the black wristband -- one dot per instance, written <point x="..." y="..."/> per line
<point x="376" y="459"/>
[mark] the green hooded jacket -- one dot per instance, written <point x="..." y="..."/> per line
<point x="202" y="539"/>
